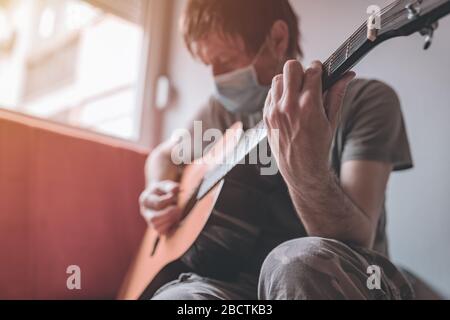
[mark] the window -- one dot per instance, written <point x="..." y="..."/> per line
<point x="73" y="61"/>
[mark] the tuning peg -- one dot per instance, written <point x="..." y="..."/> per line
<point x="428" y="32"/>
<point x="414" y="9"/>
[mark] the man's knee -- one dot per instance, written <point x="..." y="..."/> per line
<point x="186" y="287"/>
<point x="181" y="291"/>
<point x="305" y="268"/>
<point x="193" y="287"/>
<point x="176" y="293"/>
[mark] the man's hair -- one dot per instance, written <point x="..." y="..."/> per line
<point x="250" y="19"/>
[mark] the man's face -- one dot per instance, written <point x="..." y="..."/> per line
<point x="226" y="54"/>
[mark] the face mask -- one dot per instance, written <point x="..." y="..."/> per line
<point x="239" y="91"/>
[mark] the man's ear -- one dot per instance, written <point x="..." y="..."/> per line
<point x="279" y="35"/>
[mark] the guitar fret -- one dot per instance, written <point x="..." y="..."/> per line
<point x="329" y="66"/>
<point x="347" y="51"/>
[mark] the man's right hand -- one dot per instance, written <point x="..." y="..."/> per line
<point x="159" y="206"/>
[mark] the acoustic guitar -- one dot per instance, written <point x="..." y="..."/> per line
<point x="204" y="182"/>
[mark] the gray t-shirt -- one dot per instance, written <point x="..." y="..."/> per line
<point x="371" y="128"/>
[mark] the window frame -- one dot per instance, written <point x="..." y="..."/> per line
<point x="153" y="64"/>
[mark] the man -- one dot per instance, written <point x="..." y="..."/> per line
<point x="335" y="154"/>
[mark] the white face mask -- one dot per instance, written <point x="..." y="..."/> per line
<point x="239" y="91"/>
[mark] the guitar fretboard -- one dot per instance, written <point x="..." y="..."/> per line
<point x="349" y="53"/>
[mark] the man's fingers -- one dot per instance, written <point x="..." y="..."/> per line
<point x="156" y="202"/>
<point x="160" y="219"/>
<point x="292" y="81"/>
<point x="160" y="195"/>
<point x="268" y="105"/>
<point x="164" y="223"/>
<point x="277" y="88"/>
<point x="312" y="83"/>
<point x="167" y="187"/>
<point x="335" y="97"/>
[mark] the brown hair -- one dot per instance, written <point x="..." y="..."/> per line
<point x="250" y="19"/>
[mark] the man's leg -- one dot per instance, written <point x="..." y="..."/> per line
<point x="190" y="286"/>
<point x="317" y="268"/>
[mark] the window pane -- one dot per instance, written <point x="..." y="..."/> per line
<point x="71" y="62"/>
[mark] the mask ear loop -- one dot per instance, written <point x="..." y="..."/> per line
<point x="280" y="61"/>
<point x="260" y="51"/>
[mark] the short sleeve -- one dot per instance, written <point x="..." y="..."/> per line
<point x="212" y="116"/>
<point x="209" y="117"/>
<point x="375" y="128"/>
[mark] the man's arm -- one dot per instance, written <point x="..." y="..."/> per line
<point x="365" y="183"/>
<point x="159" y="166"/>
<point x="347" y="210"/>
<point x="159" y="201"/>
<point x="305" y="121"/>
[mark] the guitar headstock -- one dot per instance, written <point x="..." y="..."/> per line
<point x="404" y="17"/>
<point x="400" y="18"/>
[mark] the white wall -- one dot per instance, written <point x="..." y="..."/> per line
<point x="418" y="200"/>
<point x="191" y="80"/>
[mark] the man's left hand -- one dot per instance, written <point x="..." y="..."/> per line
<point x="301" y="121"/>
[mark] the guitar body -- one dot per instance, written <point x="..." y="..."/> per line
<point x="149" y="261"/>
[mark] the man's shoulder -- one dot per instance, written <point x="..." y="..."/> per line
<point x="371" y="88"/>
<point x="370" y="95"/>
<point x="213" y="115"/>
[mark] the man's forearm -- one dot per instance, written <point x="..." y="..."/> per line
<point x="159" y="167"/>
<point x="327" y="211"/>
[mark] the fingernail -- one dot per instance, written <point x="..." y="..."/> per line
<point x="278" y="77"/>
<point x="316" y="64"/>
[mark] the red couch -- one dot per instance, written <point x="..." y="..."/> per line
<point x="67" y="197"/>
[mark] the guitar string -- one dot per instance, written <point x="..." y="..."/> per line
<point x="382" y="12"/>
<point x="362" y="28"/>
<point x="338" y="59"/>
<point x="361" y="31"/>
<point x="356" y="44"/>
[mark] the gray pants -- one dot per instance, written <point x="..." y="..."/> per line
<point x="305" y="268"/>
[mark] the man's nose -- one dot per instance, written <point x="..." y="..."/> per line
<point x="218" y="70"/>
